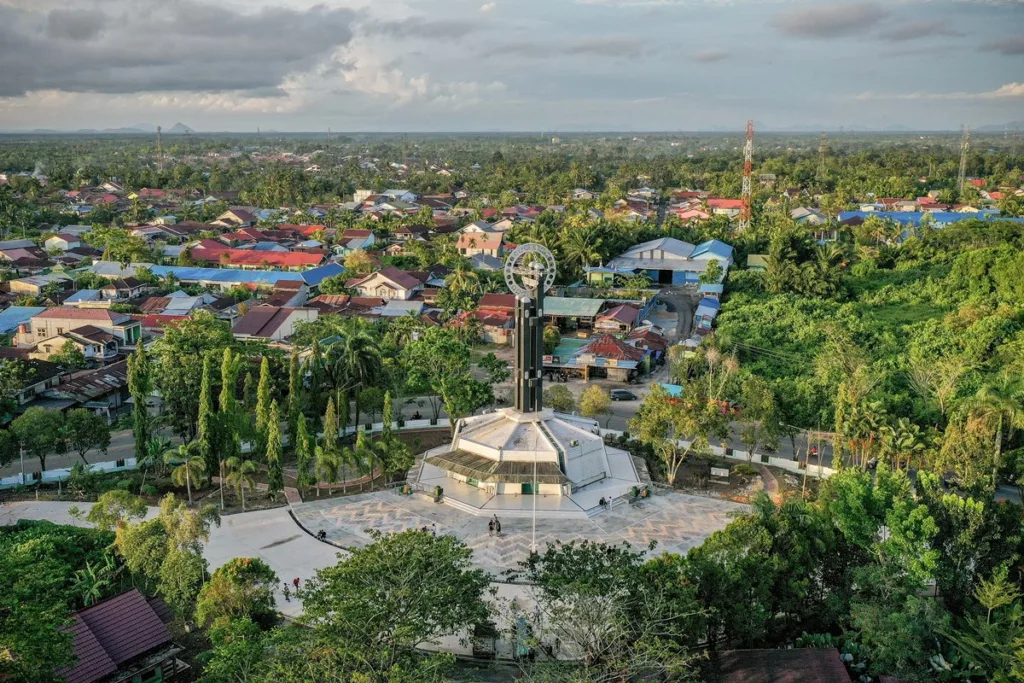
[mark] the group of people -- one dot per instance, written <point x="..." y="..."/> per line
<point x="288" y="590"/>
<point x="494" y="526"/>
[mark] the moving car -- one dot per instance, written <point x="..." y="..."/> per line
<point x="622" y="395"/>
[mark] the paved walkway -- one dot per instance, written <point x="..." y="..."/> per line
<point x="677" y="522"/>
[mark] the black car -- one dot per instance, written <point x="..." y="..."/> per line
<point x="622" y="395"/>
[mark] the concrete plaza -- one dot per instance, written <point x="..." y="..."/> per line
<point x="676" y="521"/>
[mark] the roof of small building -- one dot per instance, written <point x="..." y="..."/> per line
<point x="623" y="313"/>
<point x="498" y="301"/>
<point x="98" y="314"/>
<point x="572" y="307"/>
<point x="112" y="633"/>
<point x="607" y="346"/>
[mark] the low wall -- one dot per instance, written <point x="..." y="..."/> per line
<point x="53" y="476"/>
<point x="741" y="456"/>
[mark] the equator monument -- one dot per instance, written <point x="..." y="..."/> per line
<point x="528" y="459"/>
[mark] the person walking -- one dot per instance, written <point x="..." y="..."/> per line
<point x="287" y="593"/>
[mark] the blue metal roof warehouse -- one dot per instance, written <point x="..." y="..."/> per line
<point x="940" y="218"/>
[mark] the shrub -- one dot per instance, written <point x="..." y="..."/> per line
<point x="744" y="470"/>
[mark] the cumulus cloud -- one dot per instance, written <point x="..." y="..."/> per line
<point x="131" y="46"/>
<point x="1011" y="45"/>
<point x="416" y="26"/>
<point x="1008" y="91"/>
<point x="912" y="30"/>
<point x="488" y="7"/>
<point x="708" y="56"/>
<point x="830" y="21"/>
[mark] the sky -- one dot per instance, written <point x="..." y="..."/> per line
<point x="510" y="65"/>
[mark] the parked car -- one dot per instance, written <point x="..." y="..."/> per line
<point x="622" y="395"/>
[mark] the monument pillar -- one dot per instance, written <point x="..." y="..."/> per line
<point x="529" y="360"/>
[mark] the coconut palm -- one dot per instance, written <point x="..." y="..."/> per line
<point x="903" y="439"/>
<point x="326" y="465"/>
<point x="580" y="246"/>
<point x="153" y="457"/>
<point x="1000" y="403"/>
<point x="188" y="465"/>
<point x="463" y="278"/>
<point x="355" y="361"/>
<point x="240" y="476"/>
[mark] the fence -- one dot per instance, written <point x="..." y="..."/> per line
<point x="64" y="473"/>
<point x="54" y="476"/>
<point x="813" y="470"/>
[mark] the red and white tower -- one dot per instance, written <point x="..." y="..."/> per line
<point x="748" y="167"/>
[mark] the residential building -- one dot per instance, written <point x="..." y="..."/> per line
<point x="123" y="289"/>
<point x="622" y="318"/>
<point x="62" y="242"/>
<point x="35" y="284"/>
<point x="388" y="283"/>
<point x="726" y="207"/>
<point x="471" y="244"/>
<point x="95" y="345"/>
<point x="122" y="639"/>
<point x="56" y="321"/>
<point x="271" y="323"/>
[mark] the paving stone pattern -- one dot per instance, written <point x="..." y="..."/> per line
<point x="677" y="522"/>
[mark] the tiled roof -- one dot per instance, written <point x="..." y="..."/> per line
<point x="112" y="633"/>
<point x="84" y="314"/>
<point x="623" y="314"/>
<point x="498" y="301"/>
<point x="607" y="346"/>
<point x="398" y="277"/>
<point x="480" y="240"/>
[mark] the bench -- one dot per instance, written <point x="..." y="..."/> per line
<point x="720" y="472"/>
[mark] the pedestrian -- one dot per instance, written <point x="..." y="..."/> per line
<point x="295" y="582"/>
<point x="433" y="529"/>
<point x="287" y="593"/>
<point x="490" y="527"/>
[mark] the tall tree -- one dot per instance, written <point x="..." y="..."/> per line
<point x="204" y="435"/>
<point x="39" y="432"/>
<point x="86" y="431"/>
<point x="263" y="399"/>
<point x="303" y="453"/>
<point x="240" y="476"/>
<point x="1001" y="404"/>
<point x="294" y="397"/>
<point x="140" y="385"/>
<point x="189" y="467"/>
<point x="275" y="476"/>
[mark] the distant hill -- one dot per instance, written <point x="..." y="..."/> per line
<point x="180" y="129"/>
<point x="1012" y="125"/>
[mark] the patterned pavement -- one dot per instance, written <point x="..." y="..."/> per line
<point x="676" y="521"/>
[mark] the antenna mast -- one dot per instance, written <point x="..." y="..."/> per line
<point x="748" y="167"/>
<point x="822" y="174"/>
<point x="965" y="146"/>
<point x="328" y="139"/>
<point x="159" y="149"/>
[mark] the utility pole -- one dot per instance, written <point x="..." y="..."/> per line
<point x="748" y="166"/>
<point x="328" y="139"/>
<point x="965" y="146"/>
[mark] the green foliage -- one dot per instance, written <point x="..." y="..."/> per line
<point x="70" y="357"/>
<point x="86" y="431"/>
<point x="140" y="384"/>
<point x="39" y="432"/>
<point x="560" y="398"/>
<point x="275" y="472"/>
<point x="396" y="593"/>
<point x="242" y="588"/>
<point x="440" y="364"/>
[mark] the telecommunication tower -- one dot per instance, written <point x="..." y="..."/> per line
<point x="159" y="149"/>
<point x="748" y="167"/>
<point x="822" y="174"/>
<point x="965" y="146"/>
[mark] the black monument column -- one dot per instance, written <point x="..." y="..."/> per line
<point x="529" y="340"/>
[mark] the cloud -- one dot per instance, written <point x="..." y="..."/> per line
<point x="74" y="24"/>
<point x="830" y="21"/>
<point x="418" y="27"/>
<point x="613" y="47"/>
<point x="132" y="46"/>
<point x="1008" y="91"/>
<point x="1011" y="45"/>
<point x="708" y="56"/>
<point x="488" y="7"/>
<point x="912" y="30"/>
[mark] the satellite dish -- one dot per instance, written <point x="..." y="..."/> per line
<point x="530" y="269"/>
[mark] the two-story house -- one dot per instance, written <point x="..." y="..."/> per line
<point x="56" y="321"/>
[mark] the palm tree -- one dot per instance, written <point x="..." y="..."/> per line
<point x="1000" y="403"/>
<point x="326" y="465"/>
<point x="155" y="448"/>
<point x="903" y="438"/>
<point x="189" y="466"/>
<point x="240" y="476"/>
<point x="91" y="584"/>
<point x="354" y="361"/>
<point x="580" y="246"/>
<point x="463" y="278"/>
